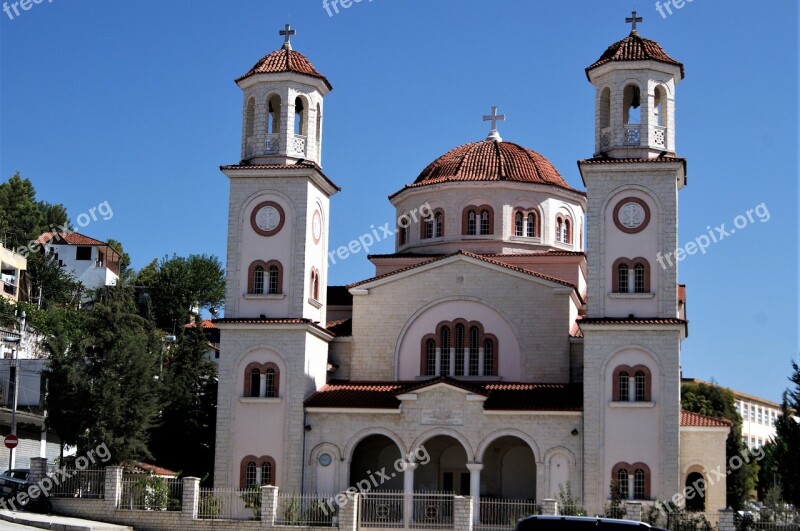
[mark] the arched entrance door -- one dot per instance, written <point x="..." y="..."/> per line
<point x="447" y="469"/>
<point x="509" y="470"/>
<point x="373" y="454"/>
<point x="697" y="482"/>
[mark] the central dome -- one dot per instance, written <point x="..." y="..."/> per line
<point x="491" y="160"/>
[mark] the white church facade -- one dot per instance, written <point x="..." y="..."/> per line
<point x="522" y="336"/>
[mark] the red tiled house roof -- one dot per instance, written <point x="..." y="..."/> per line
<point x="68" y="238"/>
<point x="697" y="420"/>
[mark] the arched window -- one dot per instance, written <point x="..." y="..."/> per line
<point x="623" y="386"/>
<point x="530" y="225"/>
<point x="255" y="383"/>
<point x="489" y="358"/>
<point x="258" y="280"/>
<point x="430" y="358"/>
<point x="641" y="386"/>
<point x="314" y="284"/>
<point x="250" y="474"/>
<point x="559" y="228"/>
<point x="438" y="225"/>
<point x="519" y="229"/>
<point x="622" y="278"/>
<point x="605" y="108"/>
<point x="639" y="278"/>
<point x="631" y="105"/>
<point x="266" y="473"/>
<point x="485" y="222"/>
<point x="444" y="345"/>
<point x="299" y="117"/>
<point x="631" y="276"/>
<point x="459" y="347"/>
<point x="319" y="125"/>
<point x="250" y="118"/>
<point x="274" y="286"/>
<point x="622" y="483"/>
<point x="660" y="106"/>
<point x="433" y="226"/>
<point x="473" y="352"/>
<point x="270" y="384"/>
<point x="472" y="223"/>
<point x="566" y="236"/>
<point x="639" y="484"/>
<point x="274" y="115"/>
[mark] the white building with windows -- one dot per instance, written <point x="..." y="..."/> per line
<point x="92" y="262"/>
<point x="514" y="352"/>
<point x="12" y="269"/>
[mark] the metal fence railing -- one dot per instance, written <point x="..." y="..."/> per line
<point x="74" y="483"/>
<point x="767" y="519"/>
<point x="432" y="510"/>
<point x="306" y="510"/>
<point x="382" y="510"/>
<point x="229" y="504"/>
<point x="151" y="493"/>
<point x="496" y="514"/>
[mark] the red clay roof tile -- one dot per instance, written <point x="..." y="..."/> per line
<point x="695" y="419"/>
<point x="635" y="48"/>
<point x="285" y="60"/>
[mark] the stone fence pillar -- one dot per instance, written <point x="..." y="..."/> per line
<point x="550" y="507"/>
<point x="726" y="522"/>
<point x="38" y="469"/>
<point x="113" y="487"/>
<point x="633" y="511"/>
<point x="348" y="513"/>
<point x="269" y="506"/>
<point x="463" y="507"/>
<point x="191" y="498"/>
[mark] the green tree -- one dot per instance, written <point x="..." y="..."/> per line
<point x="50" y="283"/>
<point x="716" y="401"/>
<point x="185" y="435"/>
<point x="125" y="272"/>
<point x="787" y="440"/>
<point x="20" y="216"/>
<point x="103" y="386"/>
<point x="178" y="286"/>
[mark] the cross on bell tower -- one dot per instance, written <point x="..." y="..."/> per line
<point x="633" y="19"/>
<point x="494" y="118"/>
<point x="287" y="33"/>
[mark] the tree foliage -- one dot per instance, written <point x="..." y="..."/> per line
<point x="787" y="441"/>
<point x="716" y="401"/>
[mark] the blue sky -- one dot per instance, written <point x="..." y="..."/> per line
<point x="134" y="103"/>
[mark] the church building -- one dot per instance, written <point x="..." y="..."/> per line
<point x="522" y="337"/>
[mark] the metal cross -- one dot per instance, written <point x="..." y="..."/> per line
<point x="494" y="118"/>
<point x="633" y="20"/>
<point x="287" y="33"/>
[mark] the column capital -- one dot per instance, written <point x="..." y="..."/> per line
<point x="409" y="466"/>
<point x="474" y="467"/>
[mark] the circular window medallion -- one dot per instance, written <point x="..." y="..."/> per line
<point x="316" y="226"/>
<point x="325" y="459"/>
<point x="631" y="215"/>
<point x="267" y="218"/>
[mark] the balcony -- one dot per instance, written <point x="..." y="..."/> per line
<point x="633" y="135"/>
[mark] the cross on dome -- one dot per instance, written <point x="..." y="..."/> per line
<point x="633" y="20"/>
<point x="494" y="118"/>
<point x="287" y="33"/>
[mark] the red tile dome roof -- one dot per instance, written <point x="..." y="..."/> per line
<point x="635" y="48"/>
<point x="491" y="160"/>
<point x="285" y="60"/>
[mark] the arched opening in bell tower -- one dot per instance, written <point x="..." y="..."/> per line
<point x="274" y="114"/>
<point x="631" y="104"/>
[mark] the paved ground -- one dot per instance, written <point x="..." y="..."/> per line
<point x="18" y="520"/>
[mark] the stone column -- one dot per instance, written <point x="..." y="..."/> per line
<point x="269" y="506"/>
<point x="463" y="507"/>
<point x="726" y="522"/>
<point x="549" y="507"/>
<point x="348" y="513"/>
<point x="633" y="511"/>
<point x="191" y="498"/>
<point x="38" y="469"/>
<point x="113" y="487"/>
<point x="475" y="489"/>
<point x="408" y="493"/>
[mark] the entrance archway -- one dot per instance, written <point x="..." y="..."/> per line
<point x="373" y="454"/>
<point x="446" y="471"/>
<point x="509" y="470"/>
<point x="697" y="483"/>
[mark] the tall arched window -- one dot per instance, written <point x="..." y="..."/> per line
<point x="270" y="384"/>
<point x="631" y="276"/>
<point x="640" y="381"/>
<point x="660" y="106"/>
<point x="257" y="471"/>
<point x="459" y="347"/>
<point x="299" y="117"/>
<point x="444" y="345"/>
<point x="430" y="358"/>
<point x="438" y="225"/>
<point x="519" y="229"/>
<point x="632" y="388"/>
<point x="472" y="223"/>
<point x="622" y="278"/>
<point x="639" y="484"/>
<point x="274" y="114"/>
<point x="266" y="473"/>
<point x="622" y="483"/>
<point x="559" y="228"/>
<point x="530" y="225"/>
<point x="605" y="108"/>
<point x="474" y="351"/>
<point x="623" y="386"/>
<point x="639" y="278"/>
<point x="566" y="235"/>
<point x="433" y="226"/>
<point x="631" y="105"/>
<point x="274" y="286"/>
<point x="485" y="222"/>
<point x="314" y="284"/>
<point x="258" y="280"/>
<point x="255" y="383"/>
<point x="250" y="474"/>
<point x="489" y="358"/>
<point x="478" y="220"/>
